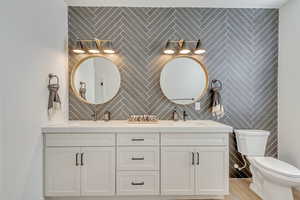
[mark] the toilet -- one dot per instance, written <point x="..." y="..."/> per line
<point x="272" y="179"/>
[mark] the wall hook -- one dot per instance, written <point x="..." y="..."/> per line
<point x="52" y="76"/>
<point x="215" y="83"/>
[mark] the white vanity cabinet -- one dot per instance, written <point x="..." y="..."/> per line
<point x="98" y="171"/>
<point x="212" y="175"/>
<point x="62" y="175"/>
<point x="177" y="171"/>
<point x="194" y="164"/>
<point x="138" y="163"/>
<point x="77" y="168"/>
<point x="117" y="159"/>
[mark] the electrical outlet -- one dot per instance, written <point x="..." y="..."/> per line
<point x="197" y="106"/>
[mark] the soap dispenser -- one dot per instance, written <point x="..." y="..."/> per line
<point x="107" y="116"/>
<point x="175" y="116"/>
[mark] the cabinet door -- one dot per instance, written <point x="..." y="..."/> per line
<point x="177" y="171"/>
<point x="62" y="175"/>
<point x="211" y="170"/>
<point x="98" y="171"/>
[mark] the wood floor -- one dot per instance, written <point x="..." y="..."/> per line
<point x="239" y="190"/>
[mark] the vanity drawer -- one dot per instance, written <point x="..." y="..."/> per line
<point x="138" y="158"/>
<point x="138" y="183"/>
<point x="136" y="139"/>
<point x="194" y="139"/>
<point x="63" y="140"/>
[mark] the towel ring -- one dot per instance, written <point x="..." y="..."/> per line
<point x="82" y="84"/>
<point x="51" y="76"/>
<point x="216" y="84"/>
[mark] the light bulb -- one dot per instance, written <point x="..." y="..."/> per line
<point x="169" y="51"/>
<point x="93" y="51"/>
<point x="93" y="47"/>
<point x="109" y="51"/>
<point x="199" y="51"/>
<point x="185" y="51"/>
<point x="169" y="48"/>
<point x="108" y="47"/>
<point x="184" y="48"/>
<point x="78" y="51"/>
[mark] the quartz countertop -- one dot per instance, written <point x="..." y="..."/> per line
<point x="119" y="126"/>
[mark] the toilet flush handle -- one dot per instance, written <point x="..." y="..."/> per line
<point x="236" y="166"/>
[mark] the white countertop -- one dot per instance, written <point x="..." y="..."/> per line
<point x="201" y="126"/>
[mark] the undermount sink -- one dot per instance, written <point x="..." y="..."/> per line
<point x="195" y="123"/>
<point x="190" y="123"/>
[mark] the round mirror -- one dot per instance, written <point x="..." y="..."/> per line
<point x="96" y="80"/>
<point x="184" y="80"/>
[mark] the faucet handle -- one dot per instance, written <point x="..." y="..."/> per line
<point x="94" y="115"/>
<point x="175" y="116"/>
<point x="184" y="115"/>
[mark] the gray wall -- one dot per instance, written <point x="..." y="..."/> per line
<point x="242" y="51"/>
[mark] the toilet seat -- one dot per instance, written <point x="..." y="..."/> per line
<point x="277" y="166"/>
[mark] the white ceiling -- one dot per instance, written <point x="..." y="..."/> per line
<point x="180" y="3"/>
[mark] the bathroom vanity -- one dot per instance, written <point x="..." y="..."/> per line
<point x="117" y="159"/>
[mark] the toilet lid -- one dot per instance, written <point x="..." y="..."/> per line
<point x="278" y="166"/>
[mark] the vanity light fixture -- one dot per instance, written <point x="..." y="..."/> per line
<point x="93" y="48"/>
<point x="79" y="48"/>
<point x="169" y="49"/>
<point x="199" y="50"/>
<point x="108" y="48"/>
<point x="184" y="48"/>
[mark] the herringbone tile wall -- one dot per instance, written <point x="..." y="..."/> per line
<point x="242" y="48"/>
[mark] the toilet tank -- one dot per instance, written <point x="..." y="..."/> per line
<point x="252" y="142"/>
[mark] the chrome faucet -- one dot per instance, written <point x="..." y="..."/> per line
<point x="184" y="115"/>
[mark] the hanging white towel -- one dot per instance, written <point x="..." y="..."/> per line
<point x="217" y="108"/>
<point x="218" y="111"/>
<point x="54" y="102"/>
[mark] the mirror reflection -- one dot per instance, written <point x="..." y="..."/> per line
<point x="183" y="80"/>
<point x="96" y="80"/>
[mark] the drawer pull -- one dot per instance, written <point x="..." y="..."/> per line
<point x="76" y="158"/>
<point x="140" y="183"/>
<point x="138" y="158"/>
<point x="137" y="139"/>
<point x="193" y="158"/>
<point x="81" y="159"/>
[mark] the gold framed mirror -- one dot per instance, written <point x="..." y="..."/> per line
<point x="184" y="80"/>
<point x="95" y="80"/>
